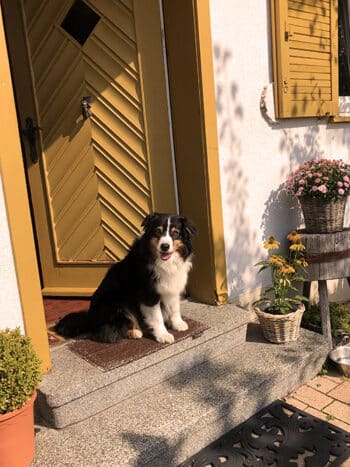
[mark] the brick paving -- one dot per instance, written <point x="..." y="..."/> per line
<point x="326" y="397"/>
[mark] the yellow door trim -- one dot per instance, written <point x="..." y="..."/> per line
<point x="20" y="225"/>
<point x="153" y="88"/>
<point x="193" y="106"/>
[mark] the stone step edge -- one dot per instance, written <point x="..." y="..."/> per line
<point x="247" y="387"/>
<point x="76" y="409"/>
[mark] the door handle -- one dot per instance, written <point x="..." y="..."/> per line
<point x="30" y="131"/>
<point x="85" y="105"/>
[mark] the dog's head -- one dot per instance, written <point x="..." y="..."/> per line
<point x="169" y="234"/>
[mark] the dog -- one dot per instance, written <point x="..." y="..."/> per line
<point x="143" y="290"/>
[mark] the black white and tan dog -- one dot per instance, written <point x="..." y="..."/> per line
<point x="143" y="290"/>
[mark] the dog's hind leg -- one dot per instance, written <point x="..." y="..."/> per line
<point x="133" y="332"/>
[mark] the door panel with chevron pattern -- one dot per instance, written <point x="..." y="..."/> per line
<point x="96" y="172"/>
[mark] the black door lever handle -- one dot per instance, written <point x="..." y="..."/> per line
<point x="30" y="132"/>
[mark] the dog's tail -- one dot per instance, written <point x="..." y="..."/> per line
<point x="74" y="324"/>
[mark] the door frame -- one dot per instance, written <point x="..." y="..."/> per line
<point x="193" y="108"/>
<point x="196" y="146"/>
<point x="18" y="214"/>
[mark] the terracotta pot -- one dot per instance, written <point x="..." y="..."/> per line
<point x="17" y="443"/>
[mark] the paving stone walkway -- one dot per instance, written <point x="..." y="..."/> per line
<point x="326" y="397"/>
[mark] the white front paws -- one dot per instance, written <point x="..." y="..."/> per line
<point x="180" y="325"/>
<point x="165" y="338"/>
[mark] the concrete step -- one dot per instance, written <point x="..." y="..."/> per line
<point x="172" y="420"/>
<point x="75" y="390"/>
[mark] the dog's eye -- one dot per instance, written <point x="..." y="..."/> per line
<point x="158" y="231"/>
<point x="175" y="233"/>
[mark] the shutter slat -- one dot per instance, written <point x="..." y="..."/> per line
<point x="312" y="18"/>
<point x="309" y="54"/>
<point x="313" y="7"/>
<point x="305" y="57"/>
<point x="305" y="24"/>
<point x="319" y="3"/>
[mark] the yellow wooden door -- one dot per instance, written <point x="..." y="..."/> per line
<point x="103" y="147"/>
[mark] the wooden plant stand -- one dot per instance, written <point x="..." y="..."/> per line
<point x="328" y="256"/>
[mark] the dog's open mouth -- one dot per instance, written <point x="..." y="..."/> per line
<point x="165" y="256"/>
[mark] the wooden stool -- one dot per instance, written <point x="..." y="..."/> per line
<point x="328" y="256"/>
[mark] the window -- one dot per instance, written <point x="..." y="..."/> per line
<point x="305" y="48"/>
<point x="80" y="21"/>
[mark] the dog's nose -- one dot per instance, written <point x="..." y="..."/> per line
<point x="164" y="246"/>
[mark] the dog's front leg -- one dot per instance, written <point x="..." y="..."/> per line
<point x="171" y="307"/>
<point x="154" y="319"/>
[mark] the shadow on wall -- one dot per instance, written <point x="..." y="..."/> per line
<point x="282" y="212"/>
<point x="299" y="146"/>
<point x="241" y="245"/>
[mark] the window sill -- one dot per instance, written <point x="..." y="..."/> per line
<point x="339" y="119"/>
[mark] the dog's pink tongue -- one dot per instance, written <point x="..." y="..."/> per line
<point x="165" y="256"/>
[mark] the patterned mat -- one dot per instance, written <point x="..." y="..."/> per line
<point x="280" y="435"/>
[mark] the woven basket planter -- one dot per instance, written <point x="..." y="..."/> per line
<point x="323" y="216"/>
<point x="281" y="328"/>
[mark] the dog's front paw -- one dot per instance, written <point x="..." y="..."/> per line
<point x="165" y="338"/>
<point x="180" y="325"/>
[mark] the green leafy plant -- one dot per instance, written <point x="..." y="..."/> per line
<point x="19" y="370"/>
<point x="324" y="370"/>
<point x="286" y="270"/>
<point x="340" y="317"/>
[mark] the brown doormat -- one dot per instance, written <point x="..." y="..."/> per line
<point x="110" y="356"/>
<point x="57" y="308"/>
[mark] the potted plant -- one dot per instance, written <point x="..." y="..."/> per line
<point x="280" y="307"/>
<point x="19" y="379"/>
<point x="321" y="187"/>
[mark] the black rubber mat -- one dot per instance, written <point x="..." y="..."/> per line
<point x="280" y="436"/>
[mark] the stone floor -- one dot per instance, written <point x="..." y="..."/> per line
<point x="327" y="397"/>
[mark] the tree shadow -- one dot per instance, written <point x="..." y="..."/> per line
<point x="240" y="239"/>
<point x="282" y="212"/>
<point x="213" y="400"/>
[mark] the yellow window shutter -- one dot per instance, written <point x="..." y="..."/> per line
<point x="305" y="52"/>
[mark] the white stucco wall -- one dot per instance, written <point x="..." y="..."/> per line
<point x="255" y="157"/>
<point x="10" y="305"/>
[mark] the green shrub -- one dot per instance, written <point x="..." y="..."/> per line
<point x="340" y="317"/>
<point x="19" y="370"/>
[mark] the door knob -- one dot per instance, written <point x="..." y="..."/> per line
<point x="85" y="105"/>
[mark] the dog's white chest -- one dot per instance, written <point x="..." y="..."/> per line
<point x="171" y="275"/>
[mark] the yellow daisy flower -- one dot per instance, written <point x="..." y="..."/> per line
<point x="301" y="262"/>
<point x="297" y="247"/>
<point x="276" y="260"/>
<point x="271" y="243"/>
<point x="286" y="269"/>
<point x="294" y="237"/>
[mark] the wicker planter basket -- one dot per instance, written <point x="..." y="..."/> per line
<point x="281" y="328"/>
<point x="323" y="216"/>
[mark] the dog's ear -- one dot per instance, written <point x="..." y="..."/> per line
<point x="189" y="227"/>
<point x="147" y="221"/>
